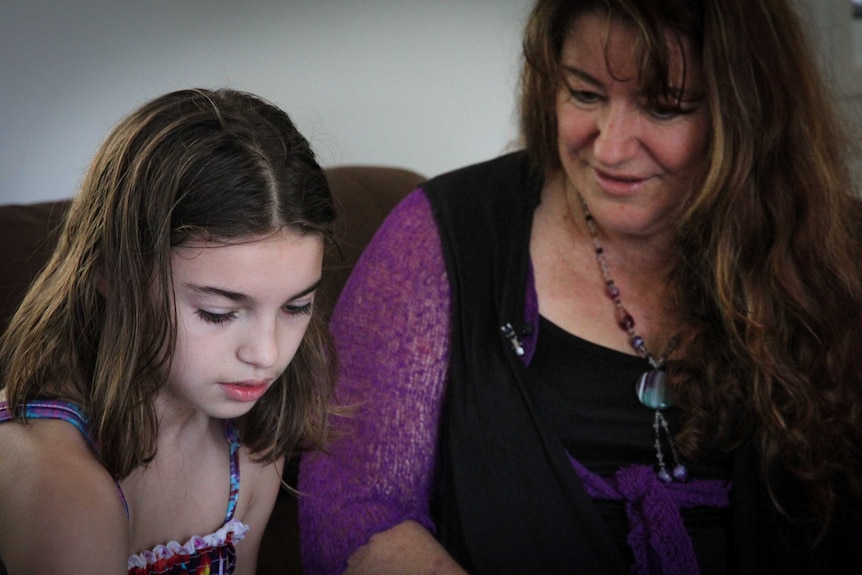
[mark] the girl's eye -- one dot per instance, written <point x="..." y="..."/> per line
<point x="304" y="309"/>
<point x="215" y="318"/>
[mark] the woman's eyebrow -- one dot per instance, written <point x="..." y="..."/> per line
<point x="581" y="75"/>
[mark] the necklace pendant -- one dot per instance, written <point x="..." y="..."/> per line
<point x="680" y="473"/>
<point x="652" y="390"/>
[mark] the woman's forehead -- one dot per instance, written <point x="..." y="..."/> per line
<point x="610" y="44"/>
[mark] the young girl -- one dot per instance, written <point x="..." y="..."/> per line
<point x="173" y="329"/>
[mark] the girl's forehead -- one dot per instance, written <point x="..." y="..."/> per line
<point x="247" y="254"/>
<point x="274" y="264"/>
<point x="202" y="241"/>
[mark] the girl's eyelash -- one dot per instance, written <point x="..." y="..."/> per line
<point x="215" y="318"/>
<point x="304" y="309"/>
<point x="220" y="318"/>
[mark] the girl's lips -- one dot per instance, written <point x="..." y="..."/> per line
<point x="245" y="391"/>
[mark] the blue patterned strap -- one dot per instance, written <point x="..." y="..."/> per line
<point x="52" y="409"/>
<point x="64" y="411"/>
<point x="232" y="436"/>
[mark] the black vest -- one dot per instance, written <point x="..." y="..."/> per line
<point x="507" y="500"/>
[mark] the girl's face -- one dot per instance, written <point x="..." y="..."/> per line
<point x="633" y="162"/>
<point x="242" y="310"/>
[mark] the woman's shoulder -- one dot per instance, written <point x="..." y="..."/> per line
<point x="58" y="505"/>
<point x="471" y="193"/>
<point x="485" y="199"/>
<point x="405" y="241"/>
<point x="503" y="166"/>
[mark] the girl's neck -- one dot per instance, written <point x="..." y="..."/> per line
<point x="179" y="423"/>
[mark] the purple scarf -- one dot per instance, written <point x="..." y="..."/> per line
<point x="658" y="537"/>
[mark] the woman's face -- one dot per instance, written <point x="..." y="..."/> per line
<point x="633" y="162"/>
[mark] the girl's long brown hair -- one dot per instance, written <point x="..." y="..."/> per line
<point x="98" y="327"/>
<point x="770" y="246"/>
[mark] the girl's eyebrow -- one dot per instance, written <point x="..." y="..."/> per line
<point x="308" y="290"/>
<point x="241" y="297"/>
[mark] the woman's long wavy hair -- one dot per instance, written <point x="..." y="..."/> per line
<point x="769" y="240"/>
<point x="98" y="325"/>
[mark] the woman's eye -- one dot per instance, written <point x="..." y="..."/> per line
<point x="584" y="96"/>
<point x="215" y="318"/>
<point x="663" y="113"/>
<point x="304" y="309"/>
<point x="667" y="112"/>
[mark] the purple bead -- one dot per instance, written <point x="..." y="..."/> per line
<point x="637" y="342"/>
<point x="680" y="473"/>
<point x="664" y="476"/>
<point x="613" y="292"/>
<point x="627" y="322"/>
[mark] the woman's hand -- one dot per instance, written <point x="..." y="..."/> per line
<point x="406" y="548"/>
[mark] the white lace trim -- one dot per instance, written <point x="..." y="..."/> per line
<point x="236" y="528"/>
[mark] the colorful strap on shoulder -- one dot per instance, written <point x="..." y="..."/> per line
<point x="52" y="409"/>
<point x="232" y="435"/>
<point x="65" y="411"/>
<point x="71" y="413"/>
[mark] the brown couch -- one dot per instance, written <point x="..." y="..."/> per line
<point x="363" y="196"/>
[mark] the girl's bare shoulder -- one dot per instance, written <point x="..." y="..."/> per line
<point x="260" y="481"/>
<point x="259" y="486"/>
<point x="60" y="510"/>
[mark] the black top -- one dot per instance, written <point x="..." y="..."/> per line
<point x="586" y="393"/>
<point x="507" y="498"/>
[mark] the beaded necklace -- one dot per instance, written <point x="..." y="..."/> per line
<point x="651" y="388"/>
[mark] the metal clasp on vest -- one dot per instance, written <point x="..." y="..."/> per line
<point x="509" y="334"/>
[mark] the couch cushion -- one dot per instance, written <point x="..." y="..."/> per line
<point x="27" y="237"/>
<point x="363" y="196"/>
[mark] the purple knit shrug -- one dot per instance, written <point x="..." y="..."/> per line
<point x="391" y="327"/>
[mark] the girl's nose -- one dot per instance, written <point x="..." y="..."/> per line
<point x="260" y="345"/>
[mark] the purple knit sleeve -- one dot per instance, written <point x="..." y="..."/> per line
<point x="391" y="327"/>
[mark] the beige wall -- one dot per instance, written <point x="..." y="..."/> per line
<point x="423" y="84"/>
<point x="427" y="85"/>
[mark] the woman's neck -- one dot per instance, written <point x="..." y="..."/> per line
<point x="647" y="256"/>
<point x="570" y="284"/>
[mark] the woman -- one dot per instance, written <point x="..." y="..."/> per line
<point x="676" y="389"/>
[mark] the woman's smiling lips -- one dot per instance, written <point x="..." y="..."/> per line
<point x="249" y="390"/>
<point x="618" y="184"/>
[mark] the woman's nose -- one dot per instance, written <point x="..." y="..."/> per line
<point x="617" y="138"/>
